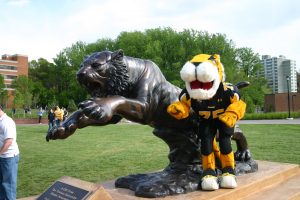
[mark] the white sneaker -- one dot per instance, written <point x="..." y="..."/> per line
<point x="228" y="181"/>
<point x="209" y="183"/>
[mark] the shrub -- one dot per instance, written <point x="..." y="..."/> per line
<point x="271" y="115"/>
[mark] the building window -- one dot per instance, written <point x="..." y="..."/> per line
<point x="6" y="67"/>
<point x="11" y="77"/>
<point x="8" y="87"/>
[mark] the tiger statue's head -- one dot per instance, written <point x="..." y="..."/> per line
<point x="104" y="73"/>
<point x="203" y="75"/>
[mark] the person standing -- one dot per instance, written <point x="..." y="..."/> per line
<point x="40" y="114"/>
<point x="9" y="157"/>
<point x="58" y="115"/>
<point x="51" y="119"/>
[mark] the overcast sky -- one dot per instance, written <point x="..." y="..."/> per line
<point x="43" y="28"/>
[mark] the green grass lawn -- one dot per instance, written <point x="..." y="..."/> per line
<point x="98" y="154"/>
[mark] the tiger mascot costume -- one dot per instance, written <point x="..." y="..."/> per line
<point x="218" y="107"/>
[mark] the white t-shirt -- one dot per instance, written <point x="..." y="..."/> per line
<point x="8" y="130"/>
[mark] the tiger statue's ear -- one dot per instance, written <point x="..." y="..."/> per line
<point x="117" y="55"/>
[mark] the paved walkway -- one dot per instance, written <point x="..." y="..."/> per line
<point x="271" y="121"/>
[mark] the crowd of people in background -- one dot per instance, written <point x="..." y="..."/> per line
<point x="56" y="116"/>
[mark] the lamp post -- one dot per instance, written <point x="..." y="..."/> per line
<point x="288" y="91"/>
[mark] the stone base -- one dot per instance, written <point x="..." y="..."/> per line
<point x="174" y="179"/>
<point x="280" y="181"/>
<point x="271" y="181"/>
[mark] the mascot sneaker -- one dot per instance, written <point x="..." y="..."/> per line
<point x="209" y="180"/>
<point x="209" y="183"/>
<point x="228" y="180"/>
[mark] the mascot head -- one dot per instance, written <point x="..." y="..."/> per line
<point x="203" y="75"/>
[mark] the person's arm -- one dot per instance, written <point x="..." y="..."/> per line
<point x="6" y="145"/>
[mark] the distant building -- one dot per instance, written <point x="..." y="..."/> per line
<point x="279" y="102"/>
<point x="298" y="82"/>
<point x="12" y="66"/>
<point x="276" y="70"/>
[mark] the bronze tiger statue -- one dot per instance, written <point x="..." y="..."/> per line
<point x="135" y="89"/>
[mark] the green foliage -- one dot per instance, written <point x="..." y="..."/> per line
<point x="55" y="83"/>
<point x="100" y="45"/>
<point x="43" y="75"/>
<point x="98" y="154"/>
<point x="67" y="64"/>
<point x="72" y="106"/>
<point x="23" y="92"/>
<point x="253" y="95"/>
<point x="169" y="49"/>
<point x="248" y="62"/>
<point x="248" y="67"/>
<point x="3" y="92"/>
<point x="274" y="115"/>
<point x="133" y="43"/>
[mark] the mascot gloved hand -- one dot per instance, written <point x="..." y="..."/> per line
<point x="234" y="111"/>
<point x="179" y="110"/>
<point x="219" y="108"/>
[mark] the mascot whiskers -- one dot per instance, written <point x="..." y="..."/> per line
<point x="218" y="107"/>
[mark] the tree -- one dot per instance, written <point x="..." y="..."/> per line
<point x="43" y="75"/>
<point x="248" y="61"/>
<point x="248" y="64"/>
<point x="72" y="106"/>
<point x="56" y="82"/>
<point x="133" y="43"/>
<point x="166" y="49"/>
<point x="169" y="49"/>
<point x="3" y="91"/>
<point x="100" y="45"/>
<point x="67" y="64"/>
<point x="254" y="94"/>
<point x="23" y="91"/>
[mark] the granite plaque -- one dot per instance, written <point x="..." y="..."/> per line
<point x="64" y="191"/>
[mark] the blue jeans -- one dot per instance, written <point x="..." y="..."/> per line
<point x="57" y="122"/>
<point x="50" y="125"/>
<point x="8" y="178"/>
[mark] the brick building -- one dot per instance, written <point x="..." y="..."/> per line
<point x="11" y="66"/>
<point x="279" y="102"/>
